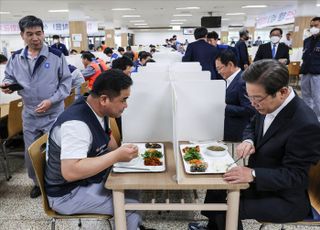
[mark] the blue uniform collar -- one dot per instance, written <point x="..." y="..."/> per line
<point x="43" y="52"/>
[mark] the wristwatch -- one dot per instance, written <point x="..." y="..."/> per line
<point x="253" y="173"/>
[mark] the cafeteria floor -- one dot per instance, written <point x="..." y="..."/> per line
<point x="18" y="211"/>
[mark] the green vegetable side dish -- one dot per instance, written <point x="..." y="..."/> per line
<point x="191" y="154"/>
<point x="216" y="148"/>
<point x="152" y="153"/>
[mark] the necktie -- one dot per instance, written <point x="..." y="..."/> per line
<point x="273" y="50"/>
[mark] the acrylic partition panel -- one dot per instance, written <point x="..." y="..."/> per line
<point x="154" y="66"/>
<point x="148" y="117"/>
<point x="185" y="67"/>
<point x="75" y="60"/>
<point x="167" y="57"/>
<point x="150" y="76"/>
<point x="102" y="56"/>
<point x="6" y="98"/>
<point x="190" y="76"/>
<point x="200" y="110"/>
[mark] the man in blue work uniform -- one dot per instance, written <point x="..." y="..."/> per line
<point x="58" y="45"/>
<point x="310" y="82"/>
<point x="46" y="80"/>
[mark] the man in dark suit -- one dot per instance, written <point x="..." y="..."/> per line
<point x="274" y="49"/>
<point x="238" y="109"/>
<point x="242" y="49"/>
<point x="201" y="51"/>
<point x="282" y="142"/>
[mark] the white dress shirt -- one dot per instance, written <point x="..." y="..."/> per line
<point x="271" y="116"/>
<point x="230" y="79"/>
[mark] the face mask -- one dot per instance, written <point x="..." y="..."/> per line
<point x="314" y="30"/>
<point x="275" y="39"/>
<point x="55" y="41"/>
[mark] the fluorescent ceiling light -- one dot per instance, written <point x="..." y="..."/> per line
<point x="225" y="19"/>
<point x="254" y="6"/>
<point x="4" y="12"/>
<point x="176" y="27"/>
<point x="58" y="11"/>
<point x="178" y="20"/>
<point x="122" y="9"/>
<point x="235" y="14"/>
<point x="137" y="21"/>
<point x="182" y="15"/>
<point x="176" y="23"/>
<point x="131" y="16"/>
<point x="318" y="5"/>
<point x="141" y="24"/>
<point x="188" y="8"/>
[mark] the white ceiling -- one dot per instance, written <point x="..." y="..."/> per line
<point x="154" y="12"/>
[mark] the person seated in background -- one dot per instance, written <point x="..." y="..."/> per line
<point x="92" y="68"/>
<point x="59" y="46"/>
<point x="77" y="80"/>
<point x="73" y="52"/>
<point x="109" y="52"/>
<point x="282" y="142"/>
<point x="258" y="41"/>
<point x="3" y="59"/>
<point x="103" y="45"/>
<point x="238" y="110"/>
<point x="123" y="63"/>
<point x="81" y="151"/>
<point x="129" y="53"/>
<point x="274" y="49"/>
<point x="143" y="57"/>
<point x="121" y="51"/>
<point x="91" y="48"/>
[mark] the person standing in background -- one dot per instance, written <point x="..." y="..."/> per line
<point x="310" y="81"/>
<point x="58" y="45"/>
<point x="288" y="40"/>
<point x="46" y="80"/>
<point x="242" y="49"/>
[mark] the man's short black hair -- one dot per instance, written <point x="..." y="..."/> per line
<point x="122" y="63"/>
<point x="110" y="83"/>
<point x="213" y="34"/>
<point x="270" y="74"/>
<point x="107" y="51"/>
<point x="315" y="19"/>
<point x="243" y="32"/>
<point x="227" y="56"/>
<point x="30" y="21"/>
<point x="144" y="55"/>
<point x="120" y="49"/>
<point x="3" y="59"/>
<point x="87" y="55"/>
<point x="274" y="29"/>
<point x="200" y="32"/>
<point x="55" y="36"/>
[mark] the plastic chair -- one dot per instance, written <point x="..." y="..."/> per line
<point x="84" y="88"/>
<point x="70" y="99"/>
<point x="294" y="71"/>
<point x="14" y="126"/>
<point x="115" y="130"/>
<point x="38" y="158"/>
<point x="314" y="195"/>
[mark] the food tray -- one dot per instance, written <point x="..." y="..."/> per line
<point x="216" y="164"/>
<point x="137" y="164"/>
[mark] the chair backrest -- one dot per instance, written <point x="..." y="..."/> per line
<point x="84" y="87"/>
<point x="15" y="118"/>
<point x="70" y="99"/>
<point x="115" y="130"/>
<point x="314" y="186"/>
<point x="38" y="158"/>
<point x="294" y="68"/>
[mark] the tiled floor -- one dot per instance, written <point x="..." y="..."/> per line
<point x="18" y="211"/>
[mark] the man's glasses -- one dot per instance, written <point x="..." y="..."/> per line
<point x="219" y="68"/>
<point x="256" y="99"/>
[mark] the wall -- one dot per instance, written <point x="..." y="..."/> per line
<point x="11" y="42"/>
<point x="159" y="37"/>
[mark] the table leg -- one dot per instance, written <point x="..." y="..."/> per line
<point x="233" y="210"/>
<point x="119" y="211"/>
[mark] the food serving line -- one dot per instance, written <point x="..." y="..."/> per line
<point x="170" y="114"/>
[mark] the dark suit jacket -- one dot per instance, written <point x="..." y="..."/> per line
<point x="282" y="160"/>
<point x="238" y="110"/>
<point x="265" y="52"/>
<point x="243" y="53"/>
<point x="203" y="52"/>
